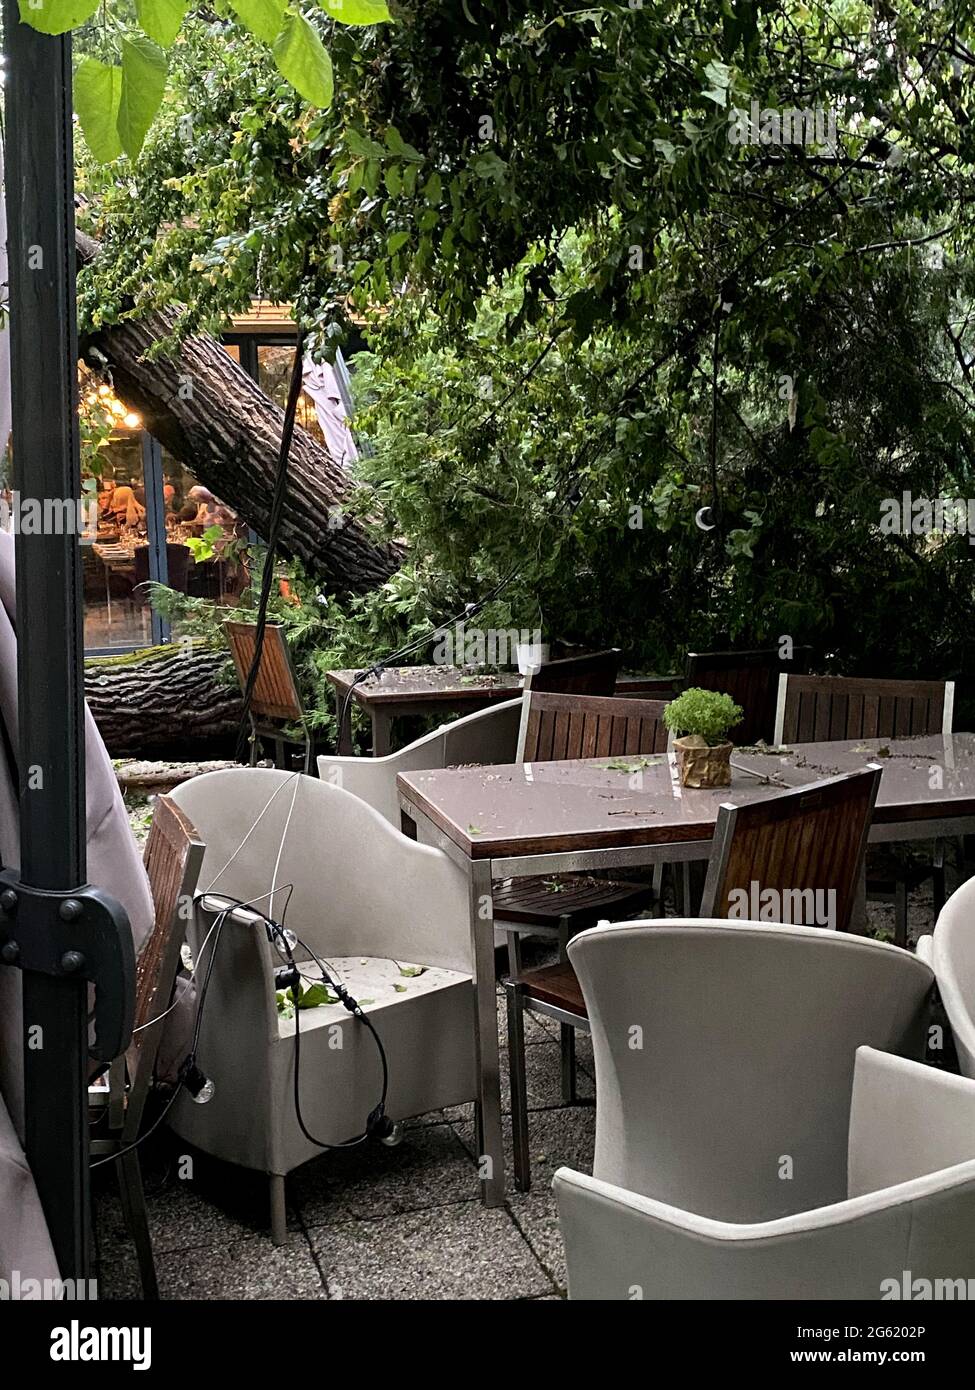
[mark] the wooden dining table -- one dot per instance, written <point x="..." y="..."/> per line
<point x="527" y="819"/>
<point x="400" y="691"/>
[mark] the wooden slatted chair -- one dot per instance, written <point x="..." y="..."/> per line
<point x="751" y="679"/>
<point x="815" y="709"/>
<point x="797" y="843"/>
<point x="275" y="702"/>
<point x="592" y="674"/>
<point x="173" y="856"/>
<point x="554" y="728"/>
<point x="808" y="841"/>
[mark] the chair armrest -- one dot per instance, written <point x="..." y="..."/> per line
<point x="925" y="949"/>
<point x="620" y="1245"/>
<point x="907" y="1121"/>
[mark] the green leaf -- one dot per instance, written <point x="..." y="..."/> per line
<point x="57" y="16"/>
<point x="362" y="145"/>
<point x="161" y="19"/>
<point x="357" y="11"/>
<point x="396" y="242"/>
<point x="97" y="91"/>
<point x="316" y="995"/>
<point x="144" y="69"/>
<point x="262" y="17"/>
<point x="301" y="59"/>
<point x="401" y="147"/>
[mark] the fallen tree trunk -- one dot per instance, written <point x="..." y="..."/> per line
<point x="211" y="416"/>
<point x="169" y="701"/>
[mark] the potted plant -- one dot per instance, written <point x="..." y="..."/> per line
<point x="703" y="718"/>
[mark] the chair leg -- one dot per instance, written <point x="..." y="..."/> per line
<point x="567" y="1034"/>
<point x="311" y="767"/>
<point x="134" y="1200"/>
<point x="900" y="913"/>
<point x="279" y="1219"/>
<point x="519" y="1087"/>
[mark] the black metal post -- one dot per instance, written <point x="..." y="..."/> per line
<point x="44" y="355"/>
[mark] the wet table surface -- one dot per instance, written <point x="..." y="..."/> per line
<point x="454" y="684"/>
<point x="592" y="803"/>
<point x="601" y="803"/>
<point x="923" y="778"/>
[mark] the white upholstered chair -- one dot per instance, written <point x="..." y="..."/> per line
<point x="903" y="1222"/>
<point x="368" y="901"/>
<point x="724" y="1056"/>
<point x="487" y="736"/>
<point x="950" y="952"/>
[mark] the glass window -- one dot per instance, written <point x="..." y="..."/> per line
<point x="115" y="561"/>
<point x="214" y="568"/>
<point x="274" y="363"/>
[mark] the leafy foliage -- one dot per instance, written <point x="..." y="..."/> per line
<point x="667" y="378"/>
<point x="703" y="712"/>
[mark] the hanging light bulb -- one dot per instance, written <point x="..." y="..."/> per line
<point x="132" y="420"/>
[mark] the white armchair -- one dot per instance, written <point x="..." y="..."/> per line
<point x="950" y="951"/>
<point x="487" y="736"/>
<point x="724" y="1056"/>
<point x="367" y="900"/>
<point x="905" y="1221"/>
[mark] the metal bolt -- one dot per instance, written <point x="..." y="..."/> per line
<point x="8" y="900"/>
<point x="10" y="953"/>
<point x="72" y="961"/>
<point x="70" y="910"/>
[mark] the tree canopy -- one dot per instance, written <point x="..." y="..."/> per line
<point x="604" y="289"/>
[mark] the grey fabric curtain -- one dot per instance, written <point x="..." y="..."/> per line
<point x="115" y="865"/>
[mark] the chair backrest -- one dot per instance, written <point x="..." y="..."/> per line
<point x="275" y="693"/>
<point x="173" y="856"/>
<point x="487" y="736"/>
<point x="592" y="674"/>
<point x="724" y="1056"/>
<point x="357" y="885"/>
<point x="751" y="679"/>
<point x="814" y="709"/>
<point x="952" y="954"/>
<point x="795" y="857"/>
<point x="556" y="727"/>
<point x="177" y="566"/>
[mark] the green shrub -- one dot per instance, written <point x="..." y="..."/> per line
<point x="703" y="712"/>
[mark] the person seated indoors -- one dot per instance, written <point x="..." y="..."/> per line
<point x="126" y="508"/>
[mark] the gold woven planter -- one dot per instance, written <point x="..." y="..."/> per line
<point x="701" y="765"/>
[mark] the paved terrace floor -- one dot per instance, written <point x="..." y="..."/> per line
<point x="377" y="1223"/>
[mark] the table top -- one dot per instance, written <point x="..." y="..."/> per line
<point x="591" y="803"/>
<point x="458" y="684"/>
<point x="923" y="777"/>
<point x="602" y="803"/>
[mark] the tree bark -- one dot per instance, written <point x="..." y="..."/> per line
<point x="164" y="700"/>
<point x="210" y="415"/>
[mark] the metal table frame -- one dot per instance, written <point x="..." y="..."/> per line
<point x="480" y="873"/>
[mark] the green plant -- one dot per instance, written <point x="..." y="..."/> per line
<point x="704" y="712"/>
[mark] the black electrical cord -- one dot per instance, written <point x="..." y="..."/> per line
<point x="186" y="1066"/>
<point x="376" y="1122"/>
